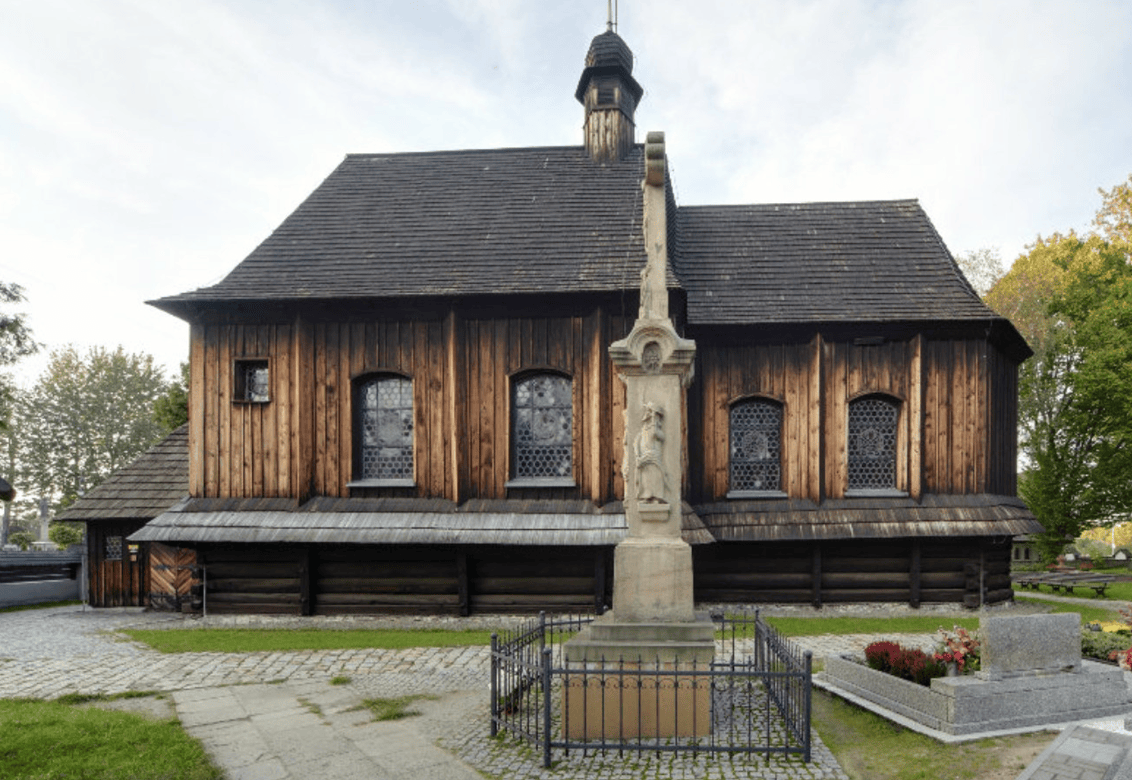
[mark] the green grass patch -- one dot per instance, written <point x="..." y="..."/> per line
<point x="1116" y="591"/>
<point x="249" y="640"/>
<point x="1089" y="614"/>
<point x="869" y="747"/>
<point x="45" y="605"/>
<point x="52" y="739"/>
<point x="816" y="626"/>
<point x="392" y="709"/>
<point x="340" y="679"/>
<point x="87" y="698"/>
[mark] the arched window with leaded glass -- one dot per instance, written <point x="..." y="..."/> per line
<point x="542" y="429"/>
<point x="755" y="430"/>
<point x="872" y="443"/>
<point x="384" y="430"/>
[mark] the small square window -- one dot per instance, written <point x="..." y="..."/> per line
<point x="252" y="381"/>
<point x="113" y="548"/>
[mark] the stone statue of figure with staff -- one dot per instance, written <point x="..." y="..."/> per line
<point x="652" y="482"/>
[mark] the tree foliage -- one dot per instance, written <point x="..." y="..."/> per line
<point x="86" y="416"/>
<point x="982" y="267"/>
<point x="1071" y="297"/>
<point x="171" y="410"/>
<point x="16" y="342"/>
<point x="1114" y="219"/>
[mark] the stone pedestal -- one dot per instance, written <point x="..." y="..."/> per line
<point x="622" y="685"/>
<point x="652" y="581"/>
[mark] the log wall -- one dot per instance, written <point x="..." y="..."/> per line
<point x="451" y="579"/>
<point x="373" y="579"/>
<point x="970" y="571"/>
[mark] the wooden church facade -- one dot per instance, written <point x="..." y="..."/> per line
<point x="403" y="399"/>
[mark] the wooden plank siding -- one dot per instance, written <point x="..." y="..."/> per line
<point x="300" y="443"/>
<point x="120" y="582"/>
<point x="956" y="429"/>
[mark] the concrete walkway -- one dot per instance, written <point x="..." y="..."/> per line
<point x="302" y="730"/>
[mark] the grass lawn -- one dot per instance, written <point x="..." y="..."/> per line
<point x="1116" y="591"/>
<point x="46" y="605"/>
<point x="55" y="740"/>
<point x="869" y="747"/>
<point x="1089" y="614"/>
<point x="249" y="640"/>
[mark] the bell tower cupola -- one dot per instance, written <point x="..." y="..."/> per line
<point x="610" y="95"/>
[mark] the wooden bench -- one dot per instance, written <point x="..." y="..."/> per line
<point x="1065" y="581"/>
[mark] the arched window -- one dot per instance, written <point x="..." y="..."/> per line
<point x="756" y="445"/>
<point x="542" y="427"/>
<point x="385" y="429"/>
<point x="872" y="443"/>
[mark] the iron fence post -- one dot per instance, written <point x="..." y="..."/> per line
<point x="809" y="696"/>
<point x="546" y="653"/>
<point x="494" y="684"/>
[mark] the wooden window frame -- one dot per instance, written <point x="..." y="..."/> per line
<point x="900" y="448"/>
<point x="240" y="367"/>
<point x="546" y="481"/>
<point x="358" y="387"/>
<point x="743" y="493"/>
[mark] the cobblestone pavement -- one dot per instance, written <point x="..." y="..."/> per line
<point x="47" y="653"/>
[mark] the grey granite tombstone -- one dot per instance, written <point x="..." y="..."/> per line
<point x="1018" y="645"/>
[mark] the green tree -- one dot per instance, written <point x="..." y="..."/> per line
<point x="1071" y="297"/>
<point x="16" y="342"/>
<point x="1114" y="219"/>
<point x="86" y="416"/>
<point x="171" y="410"/>
<point x="982" y="267"/>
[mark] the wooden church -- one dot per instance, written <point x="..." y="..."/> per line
<point x="403" y="398"/>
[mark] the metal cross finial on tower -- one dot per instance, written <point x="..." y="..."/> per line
<point x="611" y="25"/>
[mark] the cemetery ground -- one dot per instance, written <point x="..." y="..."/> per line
<point x="864" y="745"/>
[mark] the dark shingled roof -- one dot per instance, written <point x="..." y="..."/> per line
<point x="157" y="480"/>
<point x="451" y="223"/>
<point x="819" y="262"/>
<point x="550" y="220"/>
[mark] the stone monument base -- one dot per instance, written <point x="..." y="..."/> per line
<point x="652" y="581"/>
<point x="625" y="686"/>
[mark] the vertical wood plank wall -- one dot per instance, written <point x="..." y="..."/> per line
<point x="956" y="427"/>
<point x="300" y="442"/>
<point x="956" y="430"/>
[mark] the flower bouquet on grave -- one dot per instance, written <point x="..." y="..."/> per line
<point x="959" y="647"/>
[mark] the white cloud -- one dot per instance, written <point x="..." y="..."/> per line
<point x="145" y="148"/>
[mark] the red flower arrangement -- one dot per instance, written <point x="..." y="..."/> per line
<point x="960" y="648"/>
<point x="906" y="663"/>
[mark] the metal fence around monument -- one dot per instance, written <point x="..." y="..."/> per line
<point x="758" y="690"/>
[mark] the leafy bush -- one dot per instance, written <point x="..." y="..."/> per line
<point x="21" y="539"/>
<point x="65" y="534"/>
<point x="903" y="662"/>
<point x="1103" y="644"/>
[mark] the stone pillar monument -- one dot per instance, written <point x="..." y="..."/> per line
<point x="653" y="620"/>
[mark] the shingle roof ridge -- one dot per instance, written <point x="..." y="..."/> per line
<point x="470" y="151"/>
<point x="815" y="203"/>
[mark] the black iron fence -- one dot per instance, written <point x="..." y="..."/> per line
<point x="753" y="697"/>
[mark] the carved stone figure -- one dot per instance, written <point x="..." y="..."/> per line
<point x="652" y="482"/>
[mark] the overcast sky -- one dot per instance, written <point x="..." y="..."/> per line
<point x="147" y="146"/>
